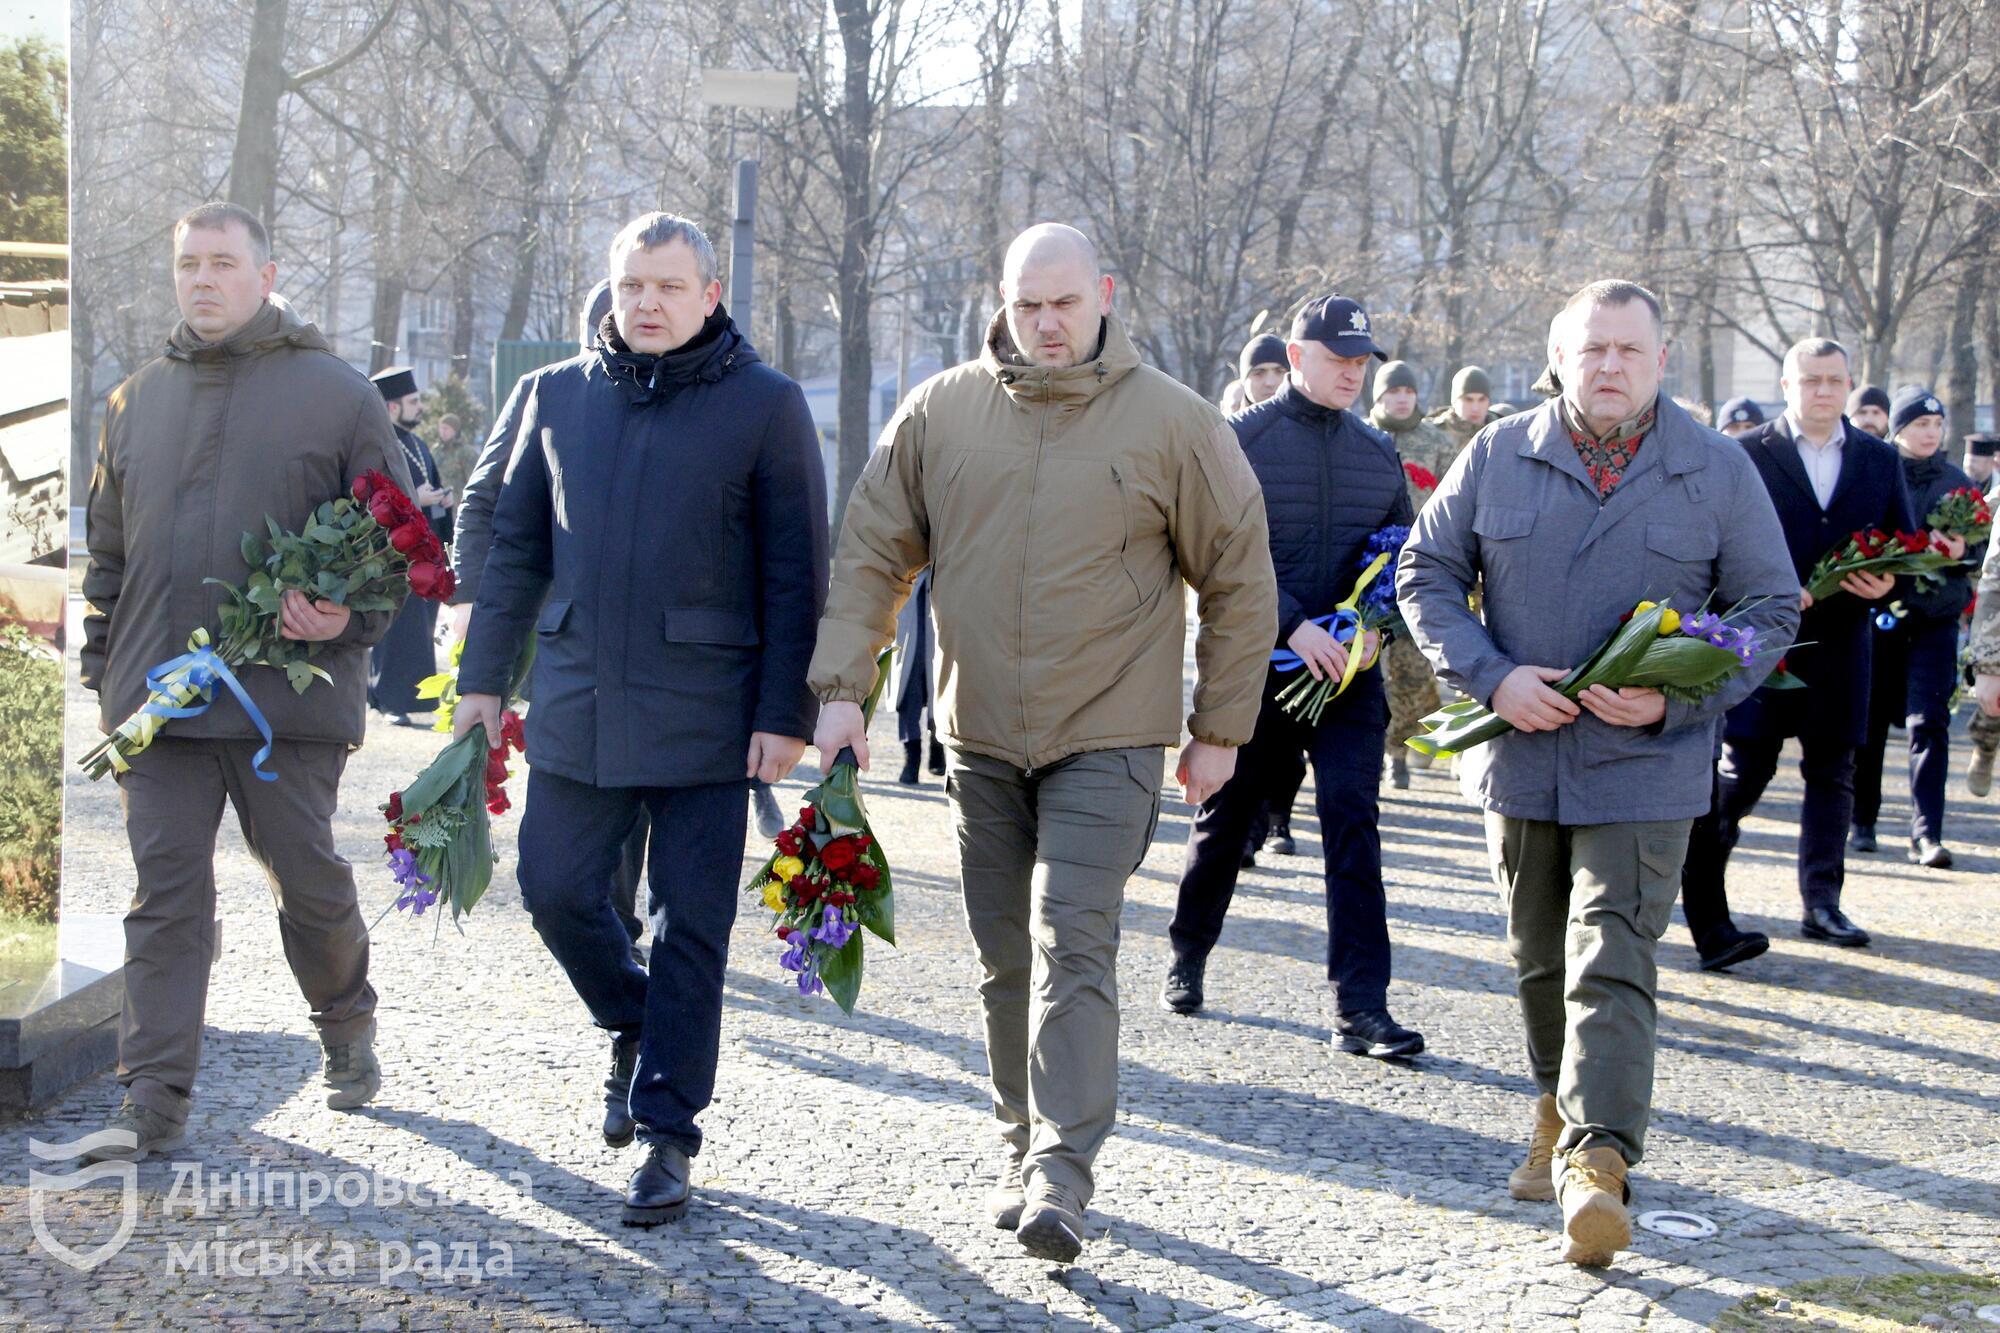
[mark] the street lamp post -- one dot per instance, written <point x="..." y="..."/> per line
<point x="759" y="90"/>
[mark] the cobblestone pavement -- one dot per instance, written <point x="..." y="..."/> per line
<point x="1833" y="1112"/>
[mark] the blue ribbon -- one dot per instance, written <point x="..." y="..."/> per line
<point x="204" y="670"/>
<point x="1343" y="625"/>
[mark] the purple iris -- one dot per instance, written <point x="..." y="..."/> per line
<point x="415" y="898"/>
<point x="833" y="931"/>
<point x="1700" y="625"/>
<point x="799" y="958"/>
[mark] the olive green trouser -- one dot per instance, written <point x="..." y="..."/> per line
<point x="1586" y="906"/>
<point x="173" y="799"/>
<point x="1043" y="858"/>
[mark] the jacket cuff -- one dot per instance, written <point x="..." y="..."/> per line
<point x="1487" y="680"/>
<point x="1212" y="730"/>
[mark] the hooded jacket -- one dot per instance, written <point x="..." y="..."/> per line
<point x="1059" y="510"/>
<point x="199" y="447"/>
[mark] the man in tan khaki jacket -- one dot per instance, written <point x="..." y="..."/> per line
<point x="1060" y="492"/>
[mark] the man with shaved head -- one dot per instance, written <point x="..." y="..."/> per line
<point x="1061" y="492"/>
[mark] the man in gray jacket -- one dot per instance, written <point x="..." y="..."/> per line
<point x="1571" y="514"/>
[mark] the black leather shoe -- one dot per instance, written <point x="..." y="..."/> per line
<point x="1862" y="839"/>
<point x="913" y="758"/>
<point x="1728" y="946"/>
<point x="1373" y="1033"/>
<point x="1182" y="991"/>
<point x="1280" y="842"/>
<point x="1831" y="924"/>
<point x="618" y="1123"/>
<point x="936" y="759"/>
<point x="1930" y="852"/>
<point x="658" y="1190"/>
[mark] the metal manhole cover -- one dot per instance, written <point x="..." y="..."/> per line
<point x="1679" y="1226"/>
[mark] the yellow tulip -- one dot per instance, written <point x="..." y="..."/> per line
<point x="1643" y="607"/>
<point x="773" y="899"/>
<point x="785" y="867"/>
<point x="1670" y="620"/>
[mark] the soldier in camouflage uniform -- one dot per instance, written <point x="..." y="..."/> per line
<point x="1984" y="665"/>
<point x="1412" y="688"/>
<point x="1470" y="408"/>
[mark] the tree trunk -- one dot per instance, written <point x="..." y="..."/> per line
<point x="851" y="276"/>
<point x="253" y="164"/>
<point x="386" y="347"/>
<point x="462" y="318"/>
<point x="1961" y="386"/>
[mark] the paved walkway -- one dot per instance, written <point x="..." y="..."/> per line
<point x="1832" y="1112"/>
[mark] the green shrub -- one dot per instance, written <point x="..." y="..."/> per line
<point x="31" y="700"/>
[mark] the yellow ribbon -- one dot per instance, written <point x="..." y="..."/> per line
<point x="1355" y="666"/>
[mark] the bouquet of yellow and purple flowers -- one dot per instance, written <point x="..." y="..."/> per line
<point x="1686" y="658"/>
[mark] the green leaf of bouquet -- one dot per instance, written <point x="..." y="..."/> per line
<point x="841" y="973"/>
<point x="299" y="675"/>
<point x="471" y="862"/>
<point x="451" y="766"/>
<point x="253" y="550"/>
<point x="880" y="915"/>
<point x="433" y="687"/>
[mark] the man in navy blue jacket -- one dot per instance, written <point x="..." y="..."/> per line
<point x="1330" y="481"/>
<point x="662" y="530"/>
<point x="1827" y="480"/>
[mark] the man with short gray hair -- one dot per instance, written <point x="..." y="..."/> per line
<point x="662" y="533"/>
<point x="1609" y="494"/>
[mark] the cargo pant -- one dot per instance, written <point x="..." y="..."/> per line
<point x="1413" y="691"/>
<point x="1586" y="906"/>
<point x="173" y="797"/>
<point x="1044" y="855"/>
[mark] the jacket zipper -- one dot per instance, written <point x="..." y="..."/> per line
<point x="1027" y="546"/>
<point x="1325" y="494"/>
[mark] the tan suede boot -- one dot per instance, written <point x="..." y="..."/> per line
<point x="1531" y="1179"/>
<point x="1590" y="1183"/>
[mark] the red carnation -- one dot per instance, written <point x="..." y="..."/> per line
<point x="496" y="765"/>
<point x="513" y="731"/>
<point x="786" y="932"/>
<point x="839" y="855"/>
<point x="499" y="804"/>
<point x="865" y="876"/>
<point x="807" y="816"/>
<point x="1423" y="477"/>
<point x="393" y="811"/>
<point x="840" y="898"/>
<point x="804" y="891"/>
<point x="393" y="840"/>
<point x="788" y="843"/>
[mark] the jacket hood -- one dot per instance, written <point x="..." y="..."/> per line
<point x="719" y="348"/>
<point x="275" y="324"/>
<point x="1026" y="383"/>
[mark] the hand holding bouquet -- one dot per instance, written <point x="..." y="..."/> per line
<point x="828" y="881"/>
<point x="1370" y="606"/>
<point x="1875" y="552"/>
<point x="362" y="552"/>
<point x="440" y="843"/>
<point x="1686" y="658"/>
<point x="1963" y="513"/>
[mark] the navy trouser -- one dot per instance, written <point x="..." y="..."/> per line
<point x="1915" y="670"/>
<point x="572" y="834"/>
<point x="1346" y="755"/>
<point x="1747" y="767"/>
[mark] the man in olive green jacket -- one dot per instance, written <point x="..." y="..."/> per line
<point x="1060" y="492"/>
<point x="246" y="415"/>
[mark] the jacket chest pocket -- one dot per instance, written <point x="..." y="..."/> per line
<point x="1505" y="558"/>
<point x="1680" y="563"/>
<point x="1083" y="532"/>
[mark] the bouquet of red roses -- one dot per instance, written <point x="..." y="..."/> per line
<point x="828" y="881"/>
<point x="1876" y="552"/>
<point x="439" y="843"/>
<point x="1963" y="513"/>
<point x="362" y="552"/>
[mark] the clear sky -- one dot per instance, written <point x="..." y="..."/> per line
<point x="34" y="18"/>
